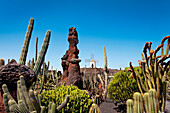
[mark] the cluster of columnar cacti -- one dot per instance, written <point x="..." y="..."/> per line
<point x="79" y="99"/>
<point x="155" y="70"/>
<point x="28" y="102"/>
<point x="149" y="100"/>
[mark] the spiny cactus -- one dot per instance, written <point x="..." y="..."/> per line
<point x="129" y="106"/>
<point x="26" y="42"/>
<point x="28" y="103"/>
<point x="138" y="105"/>
<point x="155" y="70"/>
<point x="105" y="72"/>
<point x="150" y="103"/>
<point x="42" y="53"/>
<point x="36" y="49"/>
<point x="94" y="109"/>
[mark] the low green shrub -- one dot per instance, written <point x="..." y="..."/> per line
<point x="79" y="99"/>
<point x="122" y="86"/>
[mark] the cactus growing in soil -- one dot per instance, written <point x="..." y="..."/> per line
<point x="150" y="103"/>
<point x="28" y="102"/>
<point x="26" y="42"/>
<point x="155" y="70"/>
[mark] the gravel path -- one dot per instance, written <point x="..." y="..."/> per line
<point x="109" y="107"/>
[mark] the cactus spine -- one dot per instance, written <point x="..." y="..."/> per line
<point x="26" y="42"/>
<point x="42" y="53"/>
<point x="36" y="49"/>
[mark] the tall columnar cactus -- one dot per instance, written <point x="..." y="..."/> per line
<point x="42" y="53"/>
<point x="155" y="70"/>
<point x="94" y="109"/>
<point x="105" y="71"/>
<point x="129" y="106"/>
<point x="36" y="49"/>
<point x="138" y="105"/>
<point x="26" y="100"/>
<point x="26" y="42"/>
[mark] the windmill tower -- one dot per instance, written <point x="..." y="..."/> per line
<point x="92" y="64"/>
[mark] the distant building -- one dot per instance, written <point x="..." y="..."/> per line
<point x="92" y="64"/>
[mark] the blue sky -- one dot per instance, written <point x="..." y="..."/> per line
<point x="122" y="26"/>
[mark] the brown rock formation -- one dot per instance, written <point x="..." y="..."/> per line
<point x="70" y="61"/>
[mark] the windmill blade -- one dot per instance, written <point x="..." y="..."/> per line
<point x="87" y="60"/>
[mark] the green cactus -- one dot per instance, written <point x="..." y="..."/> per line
<point x="5" y="100"/>
<point x="150" y="103"/>
<point x="138" y="105"/>
<point x="105" y="72"/>
<point x="155" y="70"/>
<point x="94" y="109"/>
<point x="26" y="42"/>
<point x="42" y="53"/>
<point x="36" y="49"/>
<point x="23" y="106"/>
<point x="129" y="106"/>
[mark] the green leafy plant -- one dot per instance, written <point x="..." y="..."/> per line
<point x="122" y="86"/>
<point x="79" y="99"/>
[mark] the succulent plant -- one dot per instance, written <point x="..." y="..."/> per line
<point x="155" y="71"/>
<point x="94" y="109"/>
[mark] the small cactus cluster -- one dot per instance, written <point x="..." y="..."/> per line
<point x="150" y="103"/>
<point x="155" y="71"/>
<point x="28" y="102"/>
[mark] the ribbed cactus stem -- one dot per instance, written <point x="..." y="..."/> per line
<point x="24" y="89"/>
<point x="20" y="92"/>
<point x="105" y="72"/>
<point x="13" y="106"/>
<point x="5" y="100"/>
<point x="32" y="63"/>
<point x="5" y="90"/>
<point x="94" y="109"/>
<point x="147" y="102"/>
<point x="42" y="53"/>
<point x="2" y="62"/>
<point x="153" y="101"/>
<point x="34" y="100"/>
<point x="36" y="49"/>
<point x="138" y="106"/>
<point x="129" y="106"/>
<point x="23" y="108"/>
<point x="26" y="42"/>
